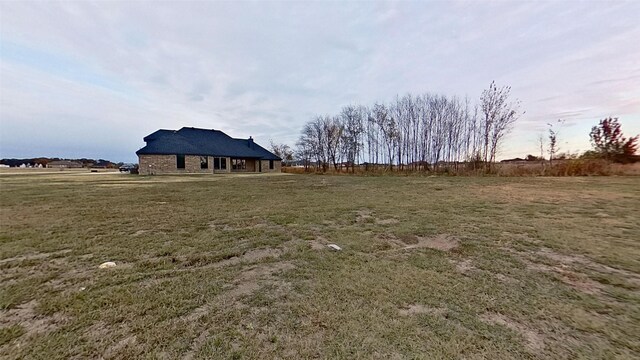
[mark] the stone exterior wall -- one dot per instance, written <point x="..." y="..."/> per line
<point x="157" y="164"/>
<point x="167" y="164"/>
<point x="276" y="166"/>
<point x="192" y="165"/>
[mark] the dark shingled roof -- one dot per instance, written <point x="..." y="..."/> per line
<point x="194" y="141"/>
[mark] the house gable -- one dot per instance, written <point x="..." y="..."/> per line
<point x="203" y="144"/>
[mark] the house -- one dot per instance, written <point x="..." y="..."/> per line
<point x="203" y="151"/>
<point x="63" y="164"/>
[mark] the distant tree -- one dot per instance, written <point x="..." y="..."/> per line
<point x="553" y="140"/>
<point x="499" y="115"/>
<point x="389" y="130"/>
<point x="566" y="156"/>
<point x="352" y="120"/>
<point x="609" y="143"/>
<point x="541" y="141"/>
<point x="590" y="154"/>
<point x="283" y="151"/>
<point x="333" y="135"/>
<point x="304" y="152"/>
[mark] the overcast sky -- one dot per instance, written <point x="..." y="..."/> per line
<point x="80" y="79"/>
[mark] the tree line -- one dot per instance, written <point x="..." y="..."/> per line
<point x="45" y="160"/>
<point x="412" y="132"/>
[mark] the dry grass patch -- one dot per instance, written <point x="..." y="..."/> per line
<point x="442" y="242"/>
<point x="464" y="266"/>
<point x="417" y="309"/>
<point x="250" y="256"/>
<point x="32" y="323"/>
<point x="237" y="267"/>
<point x="534" y="341"/>
<point x="34" y="256"/>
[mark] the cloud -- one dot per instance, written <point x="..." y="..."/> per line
<point x="79" y="78"/>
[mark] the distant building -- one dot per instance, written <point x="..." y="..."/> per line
<point x="201" y="151"/>
<point x="64" y="164"/>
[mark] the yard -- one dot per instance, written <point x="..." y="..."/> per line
<point x="233" y="266"/>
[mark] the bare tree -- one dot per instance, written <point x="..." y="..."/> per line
<point x="388" y="129"/>
<point x="332" y="135"/>
<point x="283" y="151"/>
<point x="553" y="140"/>
<point x="352" y="128"/>
<point x="304" y="152"/>
<point x="499" y="116"/>
<point x="541" y="142"/>
<point x="413" y="131"/>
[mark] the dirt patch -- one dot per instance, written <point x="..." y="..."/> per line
<point x="628" y="276"/>
<point x="505" y="279"/>
<point x="561" y="258"/>
<point x="390" y="221"/>
<point x="98" y="330"/>
<point x="392" y="243"/>
<point x="125" y="185"/>
<point x="72" y="281"/>
<point x="250" y="256"/>
<point x="318" y="244"/>
<point x="254" y="278"/>
<point x="221" y="227"/>
<point x="408" y="239"/>
<point x="441" y="242"/>
<point x="464" y="266"/>
<point x="196" y="344"/>
<point x="264" y="271"/>
<point x="566" y="274"/>
<point x="534" y="341"/>
<point x="520" y="238"/>
<point x="364" y="216"/>
<point x="323" y="183"/>
<point x="246" y="283"/>
<point x="196" y="313"/>
<point x="33" y="324"/>
<point x="245" y="224"/>
<point x="35" y="256"/>
<point x="416" y="309"/>
<point x="114" y="349"/>
<point x="579" y="282"/>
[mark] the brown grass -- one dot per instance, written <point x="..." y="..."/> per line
<point x="577" y="167"/>
<point x="238" y="267"/>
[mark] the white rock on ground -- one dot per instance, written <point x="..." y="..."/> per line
<point x="108" y="264"/>
<point x="334" y="247"/>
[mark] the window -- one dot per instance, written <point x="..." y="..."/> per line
<point x="270" y="164"/>
<point x="219" y="163"/>
<point x="238" y="164"/>
<point x="204" y="162"/>
<point x="180" y="161"/>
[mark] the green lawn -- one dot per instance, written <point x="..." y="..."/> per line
<point x="238" y="267"/>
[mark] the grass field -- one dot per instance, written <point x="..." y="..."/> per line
<point x="238" y="267"/>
